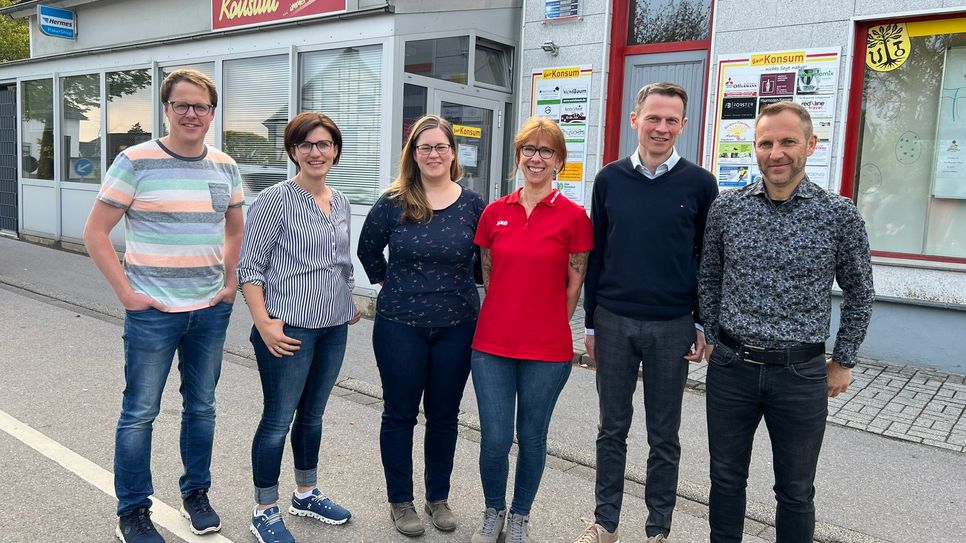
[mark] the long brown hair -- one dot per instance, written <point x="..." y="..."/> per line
<point x="407" y="188"/>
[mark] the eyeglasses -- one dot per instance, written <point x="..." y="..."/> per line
<point x="306" y="146"/>
<point x="182" y="107"/>
<point x="530" y="150"/>
<point x="440" y="148"/>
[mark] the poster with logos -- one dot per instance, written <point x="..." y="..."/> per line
<point x="949" y="179"/>
<point x="563" y="95"/>
<point x="747" y="83"/>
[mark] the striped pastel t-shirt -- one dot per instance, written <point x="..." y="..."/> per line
<point x="175" y="220"/>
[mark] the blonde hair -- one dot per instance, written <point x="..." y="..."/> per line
<point x="407" y="188"/>
<point x="532" y="129"/>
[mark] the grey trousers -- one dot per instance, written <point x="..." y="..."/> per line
<point x="622" y="345"/>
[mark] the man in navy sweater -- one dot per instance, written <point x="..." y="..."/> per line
<point x="641" y="300"/>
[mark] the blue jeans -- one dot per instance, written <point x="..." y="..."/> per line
<point x="294" y="386"/>
<point x="532" y="386"/>
<point x="416" y="363"/>
<point x="793" y="399"/>
<point x="657" y="348"/>
<point x="151" y="338"/>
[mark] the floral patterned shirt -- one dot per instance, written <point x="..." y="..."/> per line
<point x="768" y="267"/>
<point x="428" y="280"/>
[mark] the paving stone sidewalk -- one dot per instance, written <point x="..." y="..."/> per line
<point x="910" y="403"/>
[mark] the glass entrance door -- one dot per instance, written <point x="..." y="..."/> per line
<point x="478" y="124"/>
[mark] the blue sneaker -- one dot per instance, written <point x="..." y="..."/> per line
<point x="269" y="528"/>
<point x="202" y="518"/>
<point x="319" y="507"/>
<point x="136" y="527"/>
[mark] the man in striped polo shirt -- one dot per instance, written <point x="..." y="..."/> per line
<point x="183" y="203"/>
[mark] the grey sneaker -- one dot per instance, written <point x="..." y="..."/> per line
<point x="518" y="529"/>
<point x="405" y="519"/>
<point x="491" y="527"/>
<point x="659" y="538"/>
<point x="595" y="533"/>
<point x="443" y="518"/>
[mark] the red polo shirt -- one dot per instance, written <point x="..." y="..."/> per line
<point x="524" y="313"/>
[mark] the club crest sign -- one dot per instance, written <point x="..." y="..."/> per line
<point x="887" y="47"/>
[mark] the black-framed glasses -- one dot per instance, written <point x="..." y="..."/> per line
<point x="440" y="148"/>
<point x="200" y="109"/>
<point x="306" y="146"/>
<point x="530" y="150"/>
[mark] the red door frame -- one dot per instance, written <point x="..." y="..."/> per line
<point x="619" y="50"/>
<point x="851" y="153"/>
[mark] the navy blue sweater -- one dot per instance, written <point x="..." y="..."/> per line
<point x="648" y="235"/>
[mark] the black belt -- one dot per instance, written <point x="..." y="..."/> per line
<point x="802" y="352"/>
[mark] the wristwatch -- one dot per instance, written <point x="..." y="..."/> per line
<point x="846" y="365"/>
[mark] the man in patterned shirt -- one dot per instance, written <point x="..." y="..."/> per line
<point x="771" y="253"/>
<point x="182" y="203"/>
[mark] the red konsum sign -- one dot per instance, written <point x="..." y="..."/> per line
<point x="234" y="13"/>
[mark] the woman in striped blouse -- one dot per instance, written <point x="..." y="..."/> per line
<point x="425" y="314"/>
<point x="296" y="275"/>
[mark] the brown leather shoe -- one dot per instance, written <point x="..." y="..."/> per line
<point x="443" y="518"/>
<point x="405" y="519"/>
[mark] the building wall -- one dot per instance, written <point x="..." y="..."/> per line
<point x="582" y="41"/>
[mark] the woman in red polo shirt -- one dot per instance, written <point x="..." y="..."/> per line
<point x="533" y="244"/>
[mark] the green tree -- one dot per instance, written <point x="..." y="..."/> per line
<point x="14" y="37"/>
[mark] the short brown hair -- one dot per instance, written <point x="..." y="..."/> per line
<point x="298" y="129"/>
<point x="191" y="76"/>
<point x="533" y="128"/>
<point x="407" y="188"/>
<point x="787" y="105"/>
<point x="664" y="89"/>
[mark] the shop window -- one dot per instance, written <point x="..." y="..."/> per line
<point x="346" y="84"/>
<point x="414" y="107"/>
<point x="441" y="58"/>
<point x="492" y="64"/>
<point x="129" y="101"/>
<point x="207" y="68"/>
<point x="37" y="129"/>
<point x="668" y="21"/>
<point x="254" y="114"/>
<point x="911" y="159"/>
<point x="80" y="128"/>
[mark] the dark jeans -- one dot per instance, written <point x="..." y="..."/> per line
<point x="299" y="386"/>
<point x="532" y="386"/>
<point x="623" y="346"/>
<point x="151" y="338"/>
<point x="416" y="363"/>
<point x="794" y="402"/>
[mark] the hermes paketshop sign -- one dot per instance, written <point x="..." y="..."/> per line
<point x="227" y="14"/>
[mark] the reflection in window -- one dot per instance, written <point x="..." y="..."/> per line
<point x="346" y="84"/>
<point x="80" y="128"/>
<point x="442" y="58"/>
<point x="37" y="129"/>
<point x="207" y="68"/>
<point x="492" y="63"/>
<point x="255" y="112"/>
<point x="667" y="21"/>
<point x="129" y="101"/>
<point x="902" y="168"/>
<point x="414" y="107"/>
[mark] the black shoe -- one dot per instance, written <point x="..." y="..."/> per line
<point x="198" y="511"/>
<point x="136" y="527"/>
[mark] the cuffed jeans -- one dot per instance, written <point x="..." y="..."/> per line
<point x="151" y="338"/>
<point x="793" y="399"/>
<point x="416" y="363"/>
<point x="532" y="387"/>
<point x="622" y="345"/>
<point x="294" y="386"/>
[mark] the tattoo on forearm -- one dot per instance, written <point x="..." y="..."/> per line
<point x="486" y="263"/>
<point x="578" y="261"/>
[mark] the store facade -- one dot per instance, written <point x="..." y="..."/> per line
<point x="886" y="86"/>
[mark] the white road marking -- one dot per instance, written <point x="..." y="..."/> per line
<point x="161" y="513"/>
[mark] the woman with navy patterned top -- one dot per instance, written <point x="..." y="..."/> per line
<point x="296" y="273"/>
<point x="425" y="314"/>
